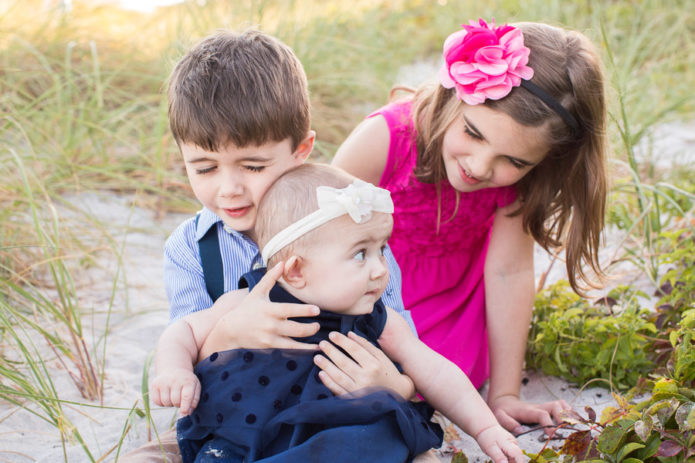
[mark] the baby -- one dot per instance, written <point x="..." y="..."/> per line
<point x="322" y="233"/>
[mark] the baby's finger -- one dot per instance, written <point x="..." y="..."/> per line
<point x="155" y="396"/>
<point x="187" y="394"/>
<point x="338" y="379"/>
<point x="494" y="452"/>
<point x="175" y="396"/>
<point x="513" y="451"/>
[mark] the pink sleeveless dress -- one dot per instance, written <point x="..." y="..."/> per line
<point x="442" y="271"/>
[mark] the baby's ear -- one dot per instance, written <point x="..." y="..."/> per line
<point x="293" y="273"/>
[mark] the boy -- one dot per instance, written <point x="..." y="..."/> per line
<point x="239" y="112"/>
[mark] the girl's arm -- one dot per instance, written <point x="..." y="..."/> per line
<point x="365" y="151"/>
<point x="447" y="389"/>
<point x="509" y="295"/>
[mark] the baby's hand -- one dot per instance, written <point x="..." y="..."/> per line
<point x="499" y="445"/>
<point x="176" y="388"/>
<point x="370" y="367"/>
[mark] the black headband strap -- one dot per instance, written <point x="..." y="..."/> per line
<point x="552" y="104"/>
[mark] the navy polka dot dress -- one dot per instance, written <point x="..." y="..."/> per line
<point x="270" y="406"/>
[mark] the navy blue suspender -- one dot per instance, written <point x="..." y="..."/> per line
<point x="211" y="260"/>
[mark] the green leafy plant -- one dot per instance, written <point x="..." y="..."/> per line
<point x="577" y="341"/>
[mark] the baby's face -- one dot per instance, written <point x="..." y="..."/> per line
<point x="345" y="268"/>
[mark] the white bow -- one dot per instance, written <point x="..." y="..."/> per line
<point x="358" y="200"/>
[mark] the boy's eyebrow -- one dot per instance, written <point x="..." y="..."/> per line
<point x="245" y="159"/>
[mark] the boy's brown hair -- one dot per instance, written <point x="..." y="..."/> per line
<point x="243" y="89"/>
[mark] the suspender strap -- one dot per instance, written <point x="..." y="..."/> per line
<point x="211" y="260"/>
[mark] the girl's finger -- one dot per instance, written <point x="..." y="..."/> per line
<point x="507" y="422"/>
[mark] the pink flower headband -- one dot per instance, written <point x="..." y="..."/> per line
<point x="485" y="62"/>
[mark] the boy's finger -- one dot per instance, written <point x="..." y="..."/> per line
<point x="333" y="378"/>
<point x="368" y="346"/>
<point x="342" y="361"/>
<point x="271" y="277"/>
<point x="288" y="310"/>
<point x="293" y="329"/>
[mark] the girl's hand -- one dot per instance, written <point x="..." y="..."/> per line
<point x="510" y="411"/>
<point x="176" y="388"/>
<point x="499" y="445"/>
<point x="258" y="323"/>
<point x="370" y="367"/>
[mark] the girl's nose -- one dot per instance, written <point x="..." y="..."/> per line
<point x="479" y="165"/>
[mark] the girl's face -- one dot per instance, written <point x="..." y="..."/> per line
<point x="485" y="148"/>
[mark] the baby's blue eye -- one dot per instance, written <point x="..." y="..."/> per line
<point x="360" y="255"/>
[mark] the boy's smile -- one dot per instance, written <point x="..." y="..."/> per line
<point x="231" y="182"/>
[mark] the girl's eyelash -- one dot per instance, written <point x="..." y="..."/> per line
<point x="516" y="163"/>
<point x="472" y="134"/>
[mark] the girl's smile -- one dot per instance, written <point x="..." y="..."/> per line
<point x="486" y="148"/>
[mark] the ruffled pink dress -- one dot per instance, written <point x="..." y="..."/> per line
<point x="442" y="270"/>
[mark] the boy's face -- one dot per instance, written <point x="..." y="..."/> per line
<point x="231" y="182"/>
<point x="345" y="269"/>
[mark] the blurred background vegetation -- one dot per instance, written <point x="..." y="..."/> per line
<point x="82" y="108"/>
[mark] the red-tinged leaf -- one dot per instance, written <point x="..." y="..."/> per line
<point x="590" y="413"/>
<point x="570" y="417"/>
<point x="669" y="449"/>
<point x="576" y="443"/>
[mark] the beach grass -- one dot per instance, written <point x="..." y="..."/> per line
<point x="82" y="109"/>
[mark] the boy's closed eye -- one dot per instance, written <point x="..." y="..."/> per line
<point x="252" y="168"/>
<point x="205" y="170"/>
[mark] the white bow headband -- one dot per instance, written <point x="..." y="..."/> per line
<point x="358" y="200"/>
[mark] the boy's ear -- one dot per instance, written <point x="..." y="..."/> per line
<point x="293" y="273"/>
<point x="305" y="147"/>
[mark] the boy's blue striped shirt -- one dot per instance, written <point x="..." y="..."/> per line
<point x="183" y="273"/>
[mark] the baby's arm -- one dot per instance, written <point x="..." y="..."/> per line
<point x="177" y="352"/>
<point x="447" y="389"/>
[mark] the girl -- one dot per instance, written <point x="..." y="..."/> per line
<point x="507" y="148"/>
<point x="328" y="234"/>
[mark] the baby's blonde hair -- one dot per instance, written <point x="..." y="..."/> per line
<point x="292" y="197"/>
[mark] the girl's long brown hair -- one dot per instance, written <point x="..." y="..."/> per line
<point x="562" y="200"/>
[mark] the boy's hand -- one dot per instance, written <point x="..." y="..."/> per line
<point x="258" y="323"/>
<point x="176" y="388"/>
<point x="499" y="445"/>
<point x="370" y="367"/>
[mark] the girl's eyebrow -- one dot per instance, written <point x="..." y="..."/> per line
<point x="473" y="128"/>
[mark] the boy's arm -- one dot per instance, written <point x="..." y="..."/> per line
<point x="447" y="389"/>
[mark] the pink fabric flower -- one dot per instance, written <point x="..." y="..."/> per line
<point x="483" y="61"/>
